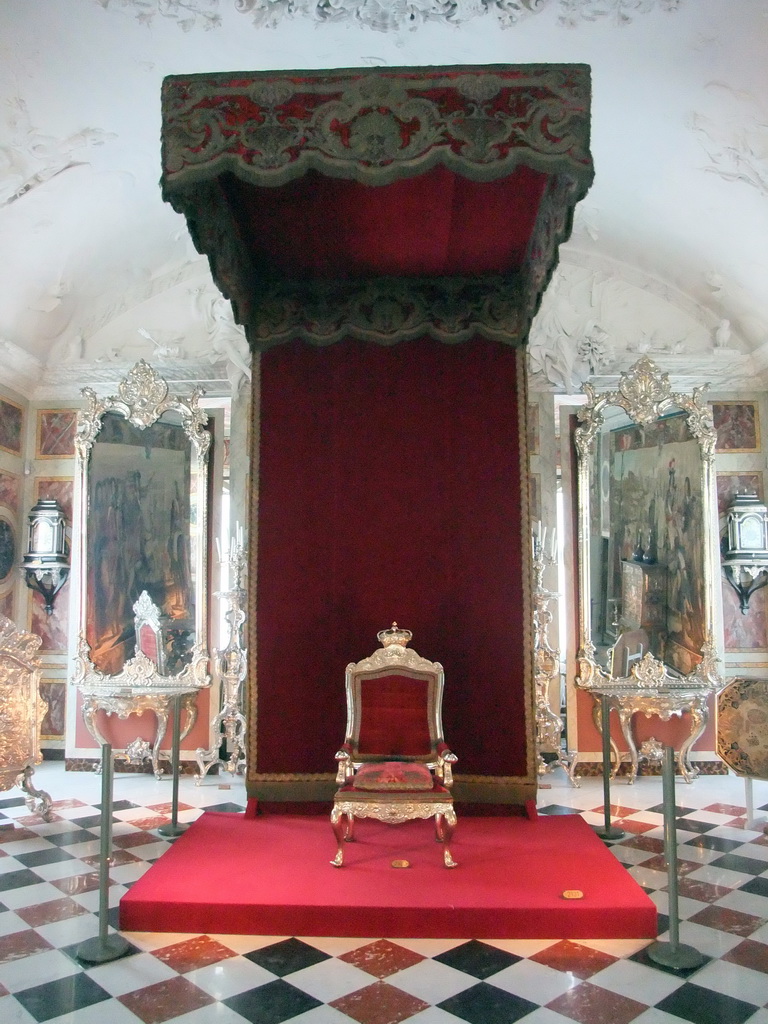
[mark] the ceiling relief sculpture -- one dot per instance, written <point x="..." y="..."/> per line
<point x="676" y="216"/>
<point x="583" y="330"/>
<point x="29" y="157"/>
<point x="187" y="14"/>
<point x="386" y="15"/>
<point x="733" y="135"/>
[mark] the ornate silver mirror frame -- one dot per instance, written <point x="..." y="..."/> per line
<point x="141" y="529"/>
<point x="648" y="680"/>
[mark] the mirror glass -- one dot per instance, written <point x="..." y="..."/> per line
<point x="645" y="480"/>
<point x="143" y="479"/>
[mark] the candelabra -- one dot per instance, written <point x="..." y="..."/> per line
<point x="549" y="726"/>
<point x="229" y="667"/>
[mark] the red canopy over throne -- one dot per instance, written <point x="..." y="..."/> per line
<point x="352" y="210"/>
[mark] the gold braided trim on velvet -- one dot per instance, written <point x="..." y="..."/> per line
<point x="293" y="776"/>
<point x="525" y="533"/>
<point x="251" y="688"/>
<point x="491" y="780"/>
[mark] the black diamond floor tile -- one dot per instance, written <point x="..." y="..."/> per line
<point x="17" y="879"/>
<point x="272" y="1003"/>
<point x="557" y="809"/>
<point x="76" y="835"/>
<point x="486" y="1004"/>
<point x="120" y="805"/>
<point x="37" y="857"/>
<point x="65" y="995"/>
<point x="755" y="887"/>
<point x="706" y="842"/>
<point x="477" y="958"/>
<point x="16" y="801"/>
<point x="692" y="825"/>
<point x="733" y="862"/>
<point x="679" y="811"/>
<point x="287" y="956"/>
<point x="88" y="821"/>
<point x="704" y="1006"/>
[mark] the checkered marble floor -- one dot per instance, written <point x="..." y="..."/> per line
<point x="49" y="903"/>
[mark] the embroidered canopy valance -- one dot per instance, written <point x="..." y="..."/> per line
<point x="382" y="204"/>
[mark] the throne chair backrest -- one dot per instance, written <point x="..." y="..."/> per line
<point x="394" y="709"/>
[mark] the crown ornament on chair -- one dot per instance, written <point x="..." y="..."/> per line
<point x="393" y="635"/>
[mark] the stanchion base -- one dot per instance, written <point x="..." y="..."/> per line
<point x="680" y="956"/>
<point x="171" y="831"/>
<point x="610" y="833"/>
<point x="101" y="951"/>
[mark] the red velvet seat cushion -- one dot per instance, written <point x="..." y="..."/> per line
<point x="393" y="775"/>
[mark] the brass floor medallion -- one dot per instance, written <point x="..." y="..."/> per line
<point x="401" y="863"/>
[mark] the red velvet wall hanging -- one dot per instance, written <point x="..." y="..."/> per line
<point x="390" y="487"/>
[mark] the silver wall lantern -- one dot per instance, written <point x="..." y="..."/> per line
<point x="745" y="546"/>
<point x="45" y="564"/>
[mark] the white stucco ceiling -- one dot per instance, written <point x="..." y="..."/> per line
<point x="671" y="241"/>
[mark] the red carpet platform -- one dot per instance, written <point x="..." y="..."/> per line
<point x="271" y="876"/>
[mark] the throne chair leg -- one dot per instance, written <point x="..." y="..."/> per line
<point x="342" y="823"/>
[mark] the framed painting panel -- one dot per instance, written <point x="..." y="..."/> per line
<point x="731" y="484"/>
<point x="656" y="516"/>
<point x="59" y="487"/>
<point x="52" y="629"/>
<point x="9" y="550"/>
<point x="54" y="693"/>
<point x="10" y="490"/>
<point x="744" y="634"/>
<point x="737" y="425"/>
<point x="11" y="421"/>
<point x="140" y="529"/>
<point x="56" y="430"/>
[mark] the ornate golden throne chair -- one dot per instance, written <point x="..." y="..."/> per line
<point x="394" y="764"/>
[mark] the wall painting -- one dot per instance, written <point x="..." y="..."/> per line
<point x="54" y="693"/>
<point x="10" y="426"/>
<point x="10" y="489"/>
<point x="56" y="433"/>
<point x="657" y="516"/>
<point x="737" y="425"/>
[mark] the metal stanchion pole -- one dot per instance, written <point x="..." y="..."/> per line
<point x="174" y="829"/>
<point x="104" y="947"/>
<point x="672" y="953"/>
<point x="608" y="831"/>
